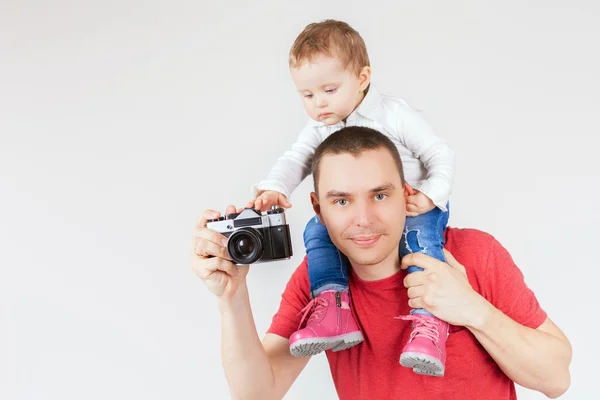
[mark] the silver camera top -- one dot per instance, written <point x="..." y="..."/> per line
<point x="249" y="217"/>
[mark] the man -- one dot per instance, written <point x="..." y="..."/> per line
<point x="499" y="333"/>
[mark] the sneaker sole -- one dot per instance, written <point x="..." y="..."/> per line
<point x="422" y="364"/>
<point x="311" y="347"/>
<point x="349" y="341"/>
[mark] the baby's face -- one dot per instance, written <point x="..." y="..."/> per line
<point x="329" y="91"/>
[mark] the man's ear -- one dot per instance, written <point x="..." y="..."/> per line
<point x="314" y="200"/>
<point x="408" y="191"/>
<point x="364" y="78"/>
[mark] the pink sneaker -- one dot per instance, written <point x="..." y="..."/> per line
<point x="330" y="326"/>
<point x="425" y="351"/>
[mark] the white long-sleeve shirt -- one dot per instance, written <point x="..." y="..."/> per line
<point x="427" y="160"/>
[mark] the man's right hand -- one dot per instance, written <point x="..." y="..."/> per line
<point x="210" y="260"/>
<point x="254" y="370"/>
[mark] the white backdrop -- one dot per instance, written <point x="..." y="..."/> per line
<point x="120" y="121"/>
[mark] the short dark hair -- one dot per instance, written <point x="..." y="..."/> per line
<point x="354" y="140"/>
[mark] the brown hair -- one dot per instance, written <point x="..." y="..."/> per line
<point x="354" y="140"/>
<point x="333" y="38"/>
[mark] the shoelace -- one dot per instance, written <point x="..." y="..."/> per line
<point x="424" y="326"/>
<point x="317" y="304"/>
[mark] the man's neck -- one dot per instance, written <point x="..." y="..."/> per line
<point x="375" y="272"/>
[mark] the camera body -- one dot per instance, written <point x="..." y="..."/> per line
<point x="253" y="237"/>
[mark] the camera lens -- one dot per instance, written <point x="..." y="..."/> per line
<point x="245" y="246"/>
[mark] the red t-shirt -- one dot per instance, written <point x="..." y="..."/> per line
<point x="371" y="370"/>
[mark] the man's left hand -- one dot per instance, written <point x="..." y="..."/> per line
<point x="443" y="289"/>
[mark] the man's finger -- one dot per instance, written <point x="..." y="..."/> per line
<point x="227" y="267"/>
<point x="420" y="260"/>
<point x="206" y="215"/>
<point x="416" y="291"/>
<point x="417" y="278"/>
<point x="415" y="303"/>
<point x="206" y="248"/>
<point x="210" y="235"/>
<point x="207" y="267"/>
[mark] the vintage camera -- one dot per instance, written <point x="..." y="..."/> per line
<point x="253" y="237"/>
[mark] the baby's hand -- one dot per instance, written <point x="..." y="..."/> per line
<point x="269" y="198"/>
<point x="418" y="203"/>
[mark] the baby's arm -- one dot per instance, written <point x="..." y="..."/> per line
<point x="291" y="168"/>
<point x="438" y="158"/>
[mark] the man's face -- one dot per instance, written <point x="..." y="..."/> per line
<point x="329" y="92"/>
<point x="361" y="201"/>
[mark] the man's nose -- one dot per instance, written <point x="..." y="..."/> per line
<point x="364" y="214"/>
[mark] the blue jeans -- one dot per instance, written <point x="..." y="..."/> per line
<point x="328" y="267"/>
<point x="425" y="234"/>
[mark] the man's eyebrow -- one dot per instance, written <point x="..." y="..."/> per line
<point x="337" y="193"/>
<point x="383" y="188"/>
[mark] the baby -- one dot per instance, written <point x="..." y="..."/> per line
<point x="329" y="65"/>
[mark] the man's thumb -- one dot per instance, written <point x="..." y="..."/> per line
<point x="453" y="263"/>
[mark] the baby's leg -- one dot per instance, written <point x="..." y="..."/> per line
<point x="328" y="316"/>
<point x="327" y="268"/>
<point x="425" y="351"/>
<point x="424" y="234"/>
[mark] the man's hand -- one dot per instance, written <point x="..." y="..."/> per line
<point x="210" y="260"/>
<point x="269" y="198"/>
<point x="443" y="289"/>
<point x="417" y="202"/>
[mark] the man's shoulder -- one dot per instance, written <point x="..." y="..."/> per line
<point x="460" y="236"/>
<point x="483" y="257"/>
<point x="293" y="299"/>
<point x="299" y="277"/>
<point x="303" y="266"/>
<point x="469" y="245"/>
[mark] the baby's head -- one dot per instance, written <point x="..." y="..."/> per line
<point x="330" y="67"/>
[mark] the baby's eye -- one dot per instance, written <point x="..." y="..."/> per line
<point x="341" y="202"/>
<point x="380" y="196"/>
<point x="308" y="96"/>
<point x="331" y="90"/>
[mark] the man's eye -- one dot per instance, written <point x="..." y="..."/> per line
<point x="380" y="196"/>
<point x="341" y="202"/>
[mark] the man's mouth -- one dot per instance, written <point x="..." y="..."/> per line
<point x="365" y="241"/>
